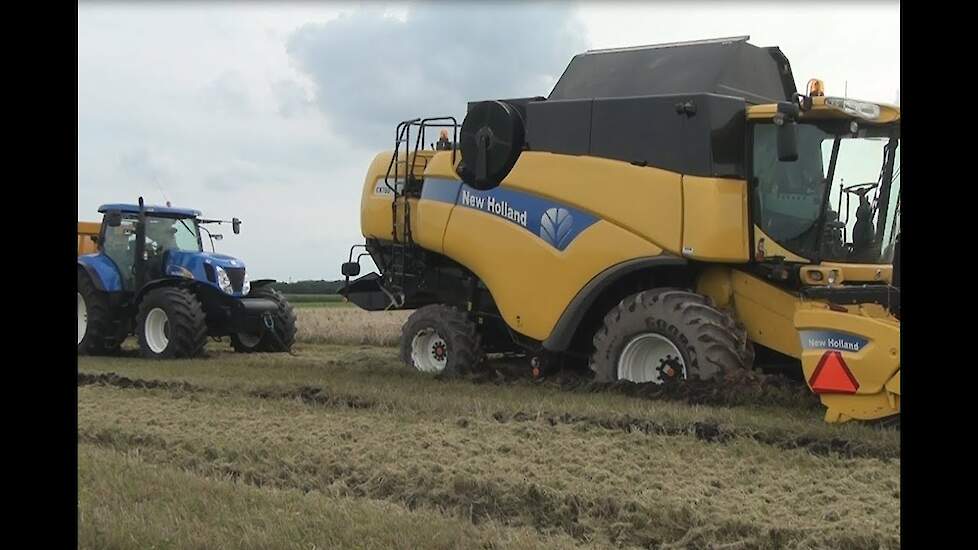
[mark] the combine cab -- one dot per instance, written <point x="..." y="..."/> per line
<point x="669" y="212"/>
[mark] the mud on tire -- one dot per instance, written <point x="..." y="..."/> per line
<point x="97" y="337"/>
<point x="284" y="326"/>
<point x="710" y="341"/>
<point x="186" y="325"/>
<point x="440" y="323"/>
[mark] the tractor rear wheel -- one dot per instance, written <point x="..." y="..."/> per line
<point x="667" y="336"/>
<point x="440" y="339"/>
<point x="171" y="324"/>
<point x="95" y="327"/>
<point x="280" y="338"/>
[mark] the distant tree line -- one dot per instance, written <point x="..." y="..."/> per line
<point x="309" y="287"/>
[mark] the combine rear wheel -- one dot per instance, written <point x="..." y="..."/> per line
<point x="666" y="336"/>
<point x="171" y="324"/>
<point x="280" y="338"/>
<point x="439" y="339"/>
<point x="94" y="319"/>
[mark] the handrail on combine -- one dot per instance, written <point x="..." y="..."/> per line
<point x="402" y="135"/>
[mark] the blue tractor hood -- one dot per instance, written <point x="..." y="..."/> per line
<point x="202" y="264"/>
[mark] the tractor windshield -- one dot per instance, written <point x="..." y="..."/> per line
<point x="840" y="201"/>
<point x="172" y="234"/>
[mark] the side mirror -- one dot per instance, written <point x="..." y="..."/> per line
<point x="350" y="269"/>
<point x="788" y="141"/>
<point x="785" y="120"/>
<point x="113" y="218"/>
<point x="236" y="225"/>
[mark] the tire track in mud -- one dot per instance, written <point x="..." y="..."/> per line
<point x="309" y="395"/>
<point x="621" y="521"/>
<point x="711" y="432"/>
<point x="708" y="432"/>
<point x="736" y="388"/>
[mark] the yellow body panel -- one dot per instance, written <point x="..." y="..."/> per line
<point x="531" y="282"/>
<point x="87" y="230"/>
<point x="618" y="192"/>
<point x="723" y="202"/>
<point x="766" y="311"/>
<point x="773" y="249"/>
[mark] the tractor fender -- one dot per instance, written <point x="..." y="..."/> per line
<point x="561" y="336"/>
<point x="159" y="283"/>
<point x="102" y="271"/>
<point x="261" y="282"/>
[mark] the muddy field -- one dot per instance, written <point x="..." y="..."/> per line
<point x="341" y="446"/>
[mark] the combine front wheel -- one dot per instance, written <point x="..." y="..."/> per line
<point x="440" y="339"/>
<point x="662" y="336"/>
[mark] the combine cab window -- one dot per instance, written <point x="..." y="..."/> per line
<point x="788" y="195"/>
<point x="839" y="201"/>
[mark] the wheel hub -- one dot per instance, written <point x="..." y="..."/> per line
<point x="429" y="352"/>
<point x="82" y="318"/>
<point x="157" y="330"/>
<point x="651" y="357"/>
<point x="249" y="339"/>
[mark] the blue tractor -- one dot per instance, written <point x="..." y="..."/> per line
<point x="151" y="277"/>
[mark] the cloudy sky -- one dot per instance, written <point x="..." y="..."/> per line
<point x="272" y="112"/>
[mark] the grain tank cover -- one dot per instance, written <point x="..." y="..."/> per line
<point x="724" y="66"/>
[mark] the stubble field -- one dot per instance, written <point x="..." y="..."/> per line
<point x="340" y="446"/>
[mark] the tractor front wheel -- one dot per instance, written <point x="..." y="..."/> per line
<point x="280" y="337"/>
<point x="95" y="328"/>
<point x="439" y="339"/>
<point x="171" y="324"/>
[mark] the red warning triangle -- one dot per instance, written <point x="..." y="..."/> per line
<point x="832" y="375"/>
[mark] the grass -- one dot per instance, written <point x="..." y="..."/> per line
<point x="340" y="446"/>
<point x="127" y="502"/>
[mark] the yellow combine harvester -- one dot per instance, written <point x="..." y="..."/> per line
<point x="669" y="212"/>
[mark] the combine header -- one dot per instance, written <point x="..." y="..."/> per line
<point x="669" y="212"/>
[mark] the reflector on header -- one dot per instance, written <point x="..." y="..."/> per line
<point x="832" y="375"/>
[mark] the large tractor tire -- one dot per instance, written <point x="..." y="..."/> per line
<point x="442" y="340"/>
<point x="171" y="324"/>
<point x="282" y="336"/>
<point x="667" y="336"/>
<point x="95" y="327"/>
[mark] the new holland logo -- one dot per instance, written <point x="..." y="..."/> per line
<point x="555" y="226"/>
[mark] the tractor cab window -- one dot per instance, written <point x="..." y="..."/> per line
<point x="118" y="243"/>
<point x="164" y="234"/>
<point x="839" y="201"/>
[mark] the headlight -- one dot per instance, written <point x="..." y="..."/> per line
<point x="223" y="280"/>
<point x="246" y="285"/>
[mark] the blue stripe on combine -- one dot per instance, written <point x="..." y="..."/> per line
<point x="556" y="223"/>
